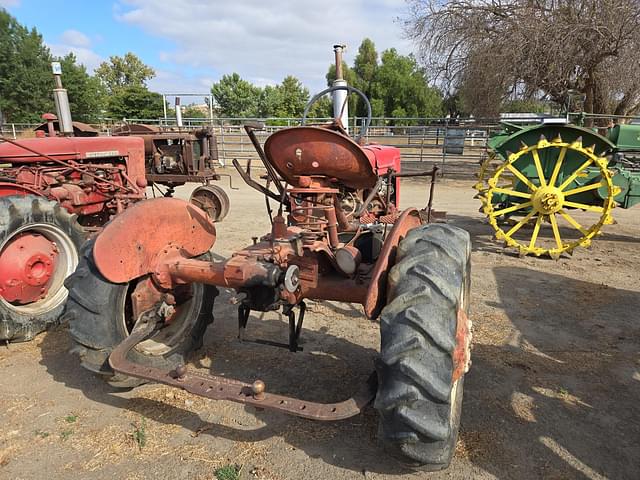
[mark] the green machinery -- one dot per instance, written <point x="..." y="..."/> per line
<point x="547" y="189"/>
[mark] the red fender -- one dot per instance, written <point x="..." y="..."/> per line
<point x="377" y="293"/>
<point x="131" y="243"/>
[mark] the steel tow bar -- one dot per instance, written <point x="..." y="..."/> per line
<point x="219" y="388"/>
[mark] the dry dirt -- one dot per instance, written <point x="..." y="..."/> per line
<point x="553" y="392"/>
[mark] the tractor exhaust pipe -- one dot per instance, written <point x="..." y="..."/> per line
<point x="178" y="113"/>
<point x="339" y="97"/>
<point x="65" y="123"/>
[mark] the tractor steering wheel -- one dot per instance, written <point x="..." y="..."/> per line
<point x="349" y="90"/>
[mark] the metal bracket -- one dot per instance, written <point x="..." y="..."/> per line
<point x="220" y="388"/>
<point x="295" y="328"/>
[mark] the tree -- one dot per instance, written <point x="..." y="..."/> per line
<point x="395" y="87"/>
<point x="121" y="72"/>
<point x="25" y="72"/>
<point x="236" y="97"/>
<point x="323" y="108"/>
<point x="193" y="111"/>
<point x="292" y="96"/>
<point x="365" y="66"/>
<point x="268" y="101"/>
<point x="491" y="51"/>
<point x="86" y="93"/>
<point x="403" y="87"/>
<point x="135" y="101"/>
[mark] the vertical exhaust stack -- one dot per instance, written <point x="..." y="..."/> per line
<point x="178" y="112"/>
<point x="65" y="123"/>
<point x="339" y="97"/>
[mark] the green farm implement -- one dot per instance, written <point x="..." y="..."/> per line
<point x="547" y="189"/>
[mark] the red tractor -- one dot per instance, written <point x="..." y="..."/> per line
<point x="56" y="190"/>
<point x="142" y="297"/>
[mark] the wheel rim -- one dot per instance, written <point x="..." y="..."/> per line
<point x="168" y="338"/>
<point x="212" y="200"/>
<point x="53" y="258"/>
<point x="546" y="199"/>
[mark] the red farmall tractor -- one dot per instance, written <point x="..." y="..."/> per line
<point x="142" y="295"/>
<point x="56" y="190"/>
<point x="49" y="203"/>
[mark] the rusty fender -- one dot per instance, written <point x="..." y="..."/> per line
<point x="377" y="293"/>
<point x="131" y="244"/>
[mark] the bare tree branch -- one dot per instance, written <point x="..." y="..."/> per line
<point x="488" y="50"/>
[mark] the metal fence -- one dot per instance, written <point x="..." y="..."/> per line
<point x="457" y="146"/>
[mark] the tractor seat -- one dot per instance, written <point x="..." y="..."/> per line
<point x="318" y="151"/>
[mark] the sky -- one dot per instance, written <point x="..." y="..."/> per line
<point x="191" y="44"/>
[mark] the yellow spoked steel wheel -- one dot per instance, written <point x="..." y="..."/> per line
<point x="488" y="169"/>
<point x="547" y="201"/>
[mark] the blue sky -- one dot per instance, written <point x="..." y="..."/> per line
<point x="191" y="43"/>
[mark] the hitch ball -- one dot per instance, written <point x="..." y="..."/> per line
<point x="257" y="389"/>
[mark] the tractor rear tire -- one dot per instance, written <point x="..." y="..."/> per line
<point x="98" y="312"/>
<point x="22" y="214"/>
<point x="418" y="402"/>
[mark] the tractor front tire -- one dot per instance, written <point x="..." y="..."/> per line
<point x="99" y="316"/>
<point x="418" y="402"/>
<point x="22" y="215"/>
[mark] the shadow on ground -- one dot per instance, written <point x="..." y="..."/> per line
<point x="329" y="369"/>
<point x="559" y="401"/>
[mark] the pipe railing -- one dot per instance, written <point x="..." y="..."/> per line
<point x="456" y="145"/>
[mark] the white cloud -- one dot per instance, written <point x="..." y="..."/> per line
<point x="266" y="41"/>
<point x="167" y="81"/>
<point x="9" y="3"/>
<point x="75" y="38"/>
<point x="79" y="44"/>
<point x="85" y="56"/>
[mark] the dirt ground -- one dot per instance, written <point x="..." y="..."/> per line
<point x="553" y="392"/>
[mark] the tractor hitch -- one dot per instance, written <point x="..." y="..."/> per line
<point x="216" y="387"/>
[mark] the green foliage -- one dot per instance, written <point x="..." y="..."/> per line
<point x="25" y="72"/>
<point x="403" y="87"/>
<point x="293" y="97"/>
<point x="366" y="62"/>
<point x="228" y="472"/>
<point x="71" y="418"/>
<point x="86" y="93"/>
<point x="26" y="80"/>
<point x="365" y="67"/>
<point x="123" y="72"/>
<point x="190" y="111"/>
<point x="396" y="86"/>
<point x="268" y="101"/>
<point x="323" y="108"/>
<point x="135" y="102"/>
<point x="236" y="97"/>
<point x="139" y="433"/>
